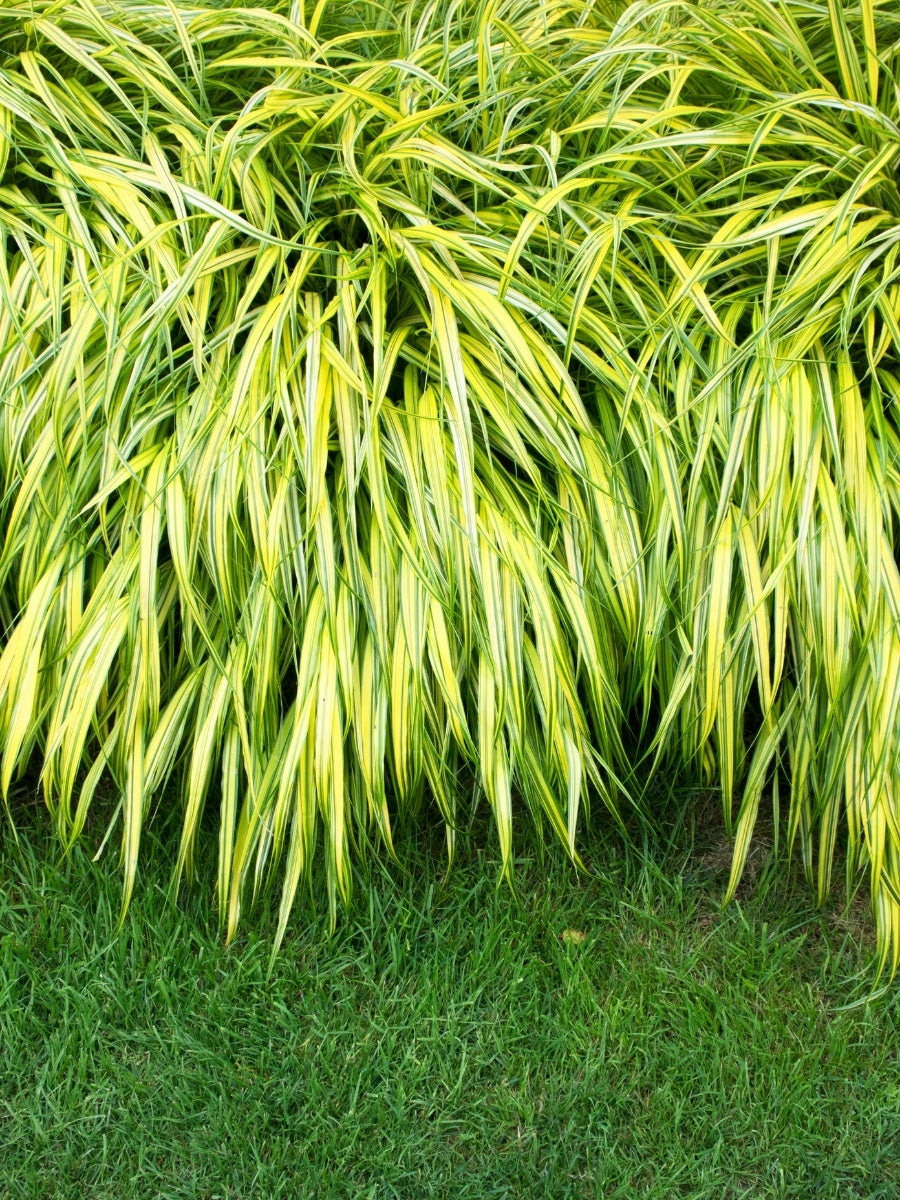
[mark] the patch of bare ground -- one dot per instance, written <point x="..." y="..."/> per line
<point x="846" y="915"/>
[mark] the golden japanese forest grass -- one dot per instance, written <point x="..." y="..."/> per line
<point x="403" y="404"/>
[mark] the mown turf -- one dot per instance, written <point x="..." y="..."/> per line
<point x="449" y="1040"/>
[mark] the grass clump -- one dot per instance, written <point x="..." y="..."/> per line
<point x="400" y="396"/>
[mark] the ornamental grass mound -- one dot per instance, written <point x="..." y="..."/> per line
<point x="411" y="403"/>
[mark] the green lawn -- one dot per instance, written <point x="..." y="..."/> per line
<point x="448" y="1040"/>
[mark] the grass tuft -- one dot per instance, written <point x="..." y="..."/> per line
<point x="399" y="396"/>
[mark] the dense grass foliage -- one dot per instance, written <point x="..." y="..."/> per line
<point x="407" y="403"/>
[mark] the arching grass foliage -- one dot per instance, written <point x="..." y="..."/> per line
<point x="402" y="403"/>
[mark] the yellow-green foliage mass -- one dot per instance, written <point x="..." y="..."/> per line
<point x="399" y="396"/>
